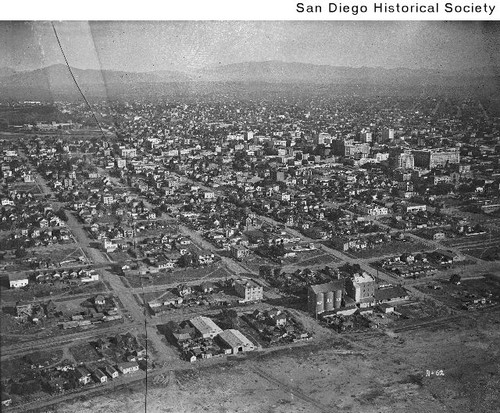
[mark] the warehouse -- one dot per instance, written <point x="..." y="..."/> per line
<point x="205" y="327"/>
<point x="235" y="341"/>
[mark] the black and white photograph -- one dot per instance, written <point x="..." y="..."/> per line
<point x="250" y="216"/>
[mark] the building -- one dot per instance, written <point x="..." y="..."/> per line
<point x="128" y="153"/>
<point x="415" y="207"/>
<point x="325" y="297"/>
<point x="361" y="288"/>
<point x="366" y="137"/>
<point x="168" y="298"/>
<point x="373" y="210"/>
<point x="205" y="327"/>
<point x="387" y="135"/>
<point x="18" y="280"/>
<point x="433" y="158"/>
<point x="391" y="294"/>
<point x="405" y="160"/>
<point x="349" y="148"/>
<point x="111" y="371"/>
<point x="235" y="341"/>
<point x="239" y="252"/>
<point x="83" y="375"/>
<point x="100" y="376"/>
<point x="24" y="309"/>
<point x="249" y="290"/>
<point x="128" y="367"/>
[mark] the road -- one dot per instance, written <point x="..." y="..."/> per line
<point x="124" y="294"/>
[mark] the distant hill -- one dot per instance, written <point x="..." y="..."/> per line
<point x="281" y="72"/>
<point x="55" y="82"/>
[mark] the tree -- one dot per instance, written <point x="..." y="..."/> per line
<point x="265" y="271"/>
<point x="455" y="279"/>
<point x="185" y="260"/>
<point x="21" y="252"/>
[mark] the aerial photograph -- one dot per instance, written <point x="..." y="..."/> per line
<point x="250" y="216"/>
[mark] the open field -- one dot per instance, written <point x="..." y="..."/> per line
<point x="379" y="374"/>
<point x="320" y="259"/>
<point x="19" y="365"/>
<point x="180" y="275"/>
<point x="393" y="247"/>
<point x="47" y="291"/>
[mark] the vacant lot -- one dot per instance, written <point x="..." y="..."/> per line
<point x="43" y="292"/>
<point x="14" y="367"/>
<point x="84" y="353"/>
<point x="393" y="248"/>
<point x="180" y="275"/>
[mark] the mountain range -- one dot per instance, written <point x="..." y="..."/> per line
<point x="56" y="82"/>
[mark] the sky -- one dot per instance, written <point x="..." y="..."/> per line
<point x="191" y="45"/>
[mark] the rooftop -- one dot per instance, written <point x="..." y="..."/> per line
<point x="205" y="325"/>
<point x="331" y="286"/>
<point x="363" y="278"/>
<point x="234" y="338"/>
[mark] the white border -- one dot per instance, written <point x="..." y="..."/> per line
<point x="229" y="10"/>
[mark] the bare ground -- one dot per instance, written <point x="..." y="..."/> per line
<point x="384" y="373"/>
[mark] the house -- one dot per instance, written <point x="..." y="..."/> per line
<point x="443" y="256"/>
<point x="24" y="310"/>
<point x="235" y="341"/>
<point x="190" y="356"/>
<point x="99" y="300"/>
<point x="111" y="371"/>
<point x="128" y="367"/>
<point x="207" y="287"/>
<point x="277" y="317"/>
<point x="184" y="290"/>
<point x="167" y="298"/>
<point x="180" y="334"/>
<point x="109" y="246"/>
<point x="90" y="277"/>
<point x="391" y="294"/>
<point x="83" y="375"/>
<point x="18" y="280"/>
<point x="6" y="400"/>
<point x="206" y="258"/>
<point x="100" y="376"/>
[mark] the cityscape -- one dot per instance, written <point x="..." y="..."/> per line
<point x="268" y="231"/>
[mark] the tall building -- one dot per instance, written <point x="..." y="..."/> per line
<point x="361" y="288"/>
<point x="249" y="290"/>
<point x="433" y="158"/>
<point x="366" y="137"/>
<point x="349" y="148"/>
<point x="322" y="138"/>
<point x="401" y="158"/>
<point x="387" y="135"/>
<point x="325" y="297"/>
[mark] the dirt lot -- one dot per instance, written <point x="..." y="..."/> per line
<point x="381" y="374"/>
<point x="19" y="365"/>
<point x="179" y="275"/>
<point x="46" y="291"/>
